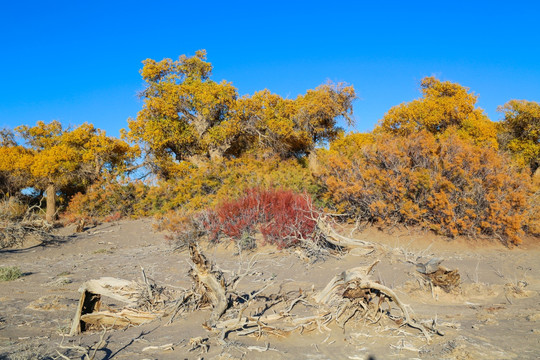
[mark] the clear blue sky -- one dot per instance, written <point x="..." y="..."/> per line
<point x="78" y="61"/>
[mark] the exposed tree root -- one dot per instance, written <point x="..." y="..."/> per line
<point x="348" y="295"/>
<point x="356" y="284"/>
<point x="209" y="282"/>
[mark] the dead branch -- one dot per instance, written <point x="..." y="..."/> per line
<point x="336" y="239"/>
<point x="141" y="304"/>
<point x="88" y="353"/>
<point x="209" y="282"/>
<point x="13" y="233"/>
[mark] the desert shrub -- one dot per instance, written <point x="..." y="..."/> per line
<point x="283" y="217"/>
<point x="447" y="184"/>
<point x="12" y="209"/>
<point x="20" y="220"/>
<point x="107" y="200"/>
<point x="8" y="273"/>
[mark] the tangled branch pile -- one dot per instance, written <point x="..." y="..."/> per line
<point x="351" y="295"/>
<point x="19" y="223"/>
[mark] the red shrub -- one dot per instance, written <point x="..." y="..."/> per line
<point x="282" y="216"/>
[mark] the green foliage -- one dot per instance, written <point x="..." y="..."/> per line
<point x="9" y="273"/>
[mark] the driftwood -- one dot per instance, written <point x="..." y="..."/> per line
<point x="346" y="295"/>
<point x="356" y="284"/>
<point x="125" y="317"/>
<point x="88" y="315"/>
<point x="332" y="237"/>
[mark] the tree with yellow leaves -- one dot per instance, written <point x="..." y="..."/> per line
<point x="444" y="108"/>
<point x="56" y="159"/>
<point x="519" y="132"/>
<point x="15" y="161"/>
<point x="187" y="116"/>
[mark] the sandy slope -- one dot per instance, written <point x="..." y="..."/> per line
<point x="495" y="316"/>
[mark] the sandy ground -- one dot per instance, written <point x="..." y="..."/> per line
<point x="495" y="314"/>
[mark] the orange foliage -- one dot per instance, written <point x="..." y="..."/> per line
<point x="107" y="199"/>
<point x="448" y="185"/>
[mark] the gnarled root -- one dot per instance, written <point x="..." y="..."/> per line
<point x="210" y="282"/>
<point x="356" y="283"/>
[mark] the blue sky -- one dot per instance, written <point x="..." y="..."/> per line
<point x="79" y="61"/>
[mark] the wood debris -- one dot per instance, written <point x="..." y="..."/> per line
<point x="438" y="275"/>
<point x="137" y="307"/>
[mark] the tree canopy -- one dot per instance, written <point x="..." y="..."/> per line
<point x="444" y="108"/>
<point x="56" y="159"/>
<point x="187" y="116"/>
<point x="520" y="131"/>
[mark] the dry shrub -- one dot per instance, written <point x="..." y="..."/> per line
<point x="12" y="209"/>
<point x="448" y="185"/>
<point x="107" y="200"/>
<point x="20" y="221"/>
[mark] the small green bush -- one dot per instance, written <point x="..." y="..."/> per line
<point x="8" y="273"/>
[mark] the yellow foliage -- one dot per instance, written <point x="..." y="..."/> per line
<point x="186" y="116"/>
<point x="62" y="159"/>
<point x="198" y="187"/>
<point x="519" y="132"/>
<point x="445" y="108"/>
<point x="60" y="156"/>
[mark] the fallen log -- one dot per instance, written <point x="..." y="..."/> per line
<point x="121" y="319"/>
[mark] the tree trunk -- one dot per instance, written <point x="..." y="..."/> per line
<point x="313" y="162"/>
<point x="50" y="214"/>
